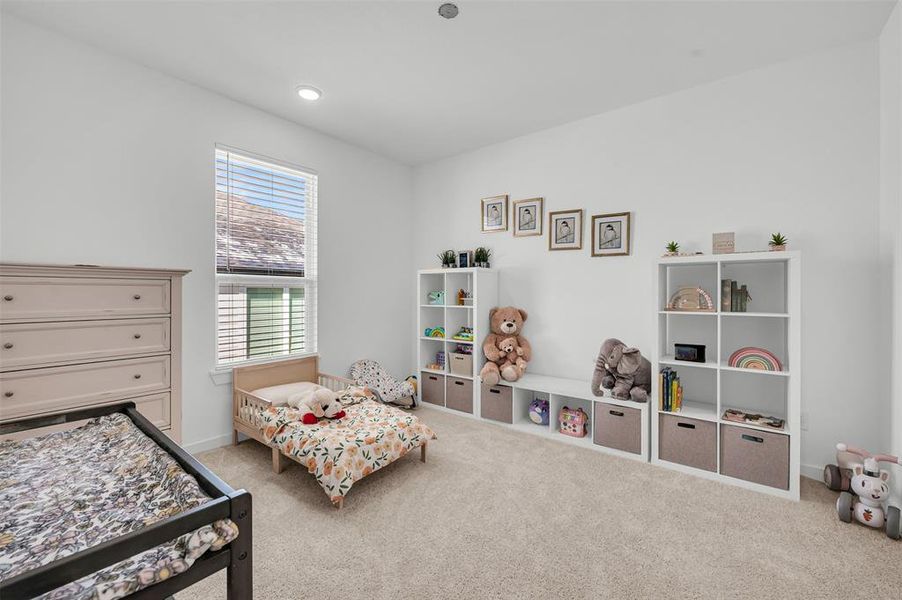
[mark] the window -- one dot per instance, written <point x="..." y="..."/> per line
<point x="265" y="258"/>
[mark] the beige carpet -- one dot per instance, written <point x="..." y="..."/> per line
<point x="497" y="514"/>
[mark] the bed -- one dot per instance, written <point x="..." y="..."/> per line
<point x="337" y="452"/>
<point x="110" y="507"/>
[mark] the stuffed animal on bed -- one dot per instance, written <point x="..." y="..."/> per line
<point x="317" y="402"/>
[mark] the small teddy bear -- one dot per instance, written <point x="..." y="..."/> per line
<point x="512" y="351"/>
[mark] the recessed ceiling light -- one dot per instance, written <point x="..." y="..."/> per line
<point x="308" y="92"/>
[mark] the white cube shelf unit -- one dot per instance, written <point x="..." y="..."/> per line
<point x="697" y="439"/>
<point x="453" y="387"/>
<point x="618" y="427"/>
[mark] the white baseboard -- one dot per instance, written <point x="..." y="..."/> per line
<point x="812" y="472"/>
<point x="209" y="444"/>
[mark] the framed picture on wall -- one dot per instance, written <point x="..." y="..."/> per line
<point x="565" y="230"/>
<point x="494" y="214"/>
<point x="611" y="234"/>
<point x="528" y="217"/>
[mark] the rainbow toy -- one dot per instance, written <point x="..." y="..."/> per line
<point x="435" y="332"/>
<point x="755" y="358"/>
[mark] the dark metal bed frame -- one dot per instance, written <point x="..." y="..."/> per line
<point x="226" y="503"/>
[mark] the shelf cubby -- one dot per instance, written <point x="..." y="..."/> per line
<point x="766" y="283"/>
<point x="770" y="334"/>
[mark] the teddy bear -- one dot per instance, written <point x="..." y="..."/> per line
<point x="317" y="402"/>
<point x="505" y="322"/>
<point x="512" y="351"/>
<point x="623" y="370"/>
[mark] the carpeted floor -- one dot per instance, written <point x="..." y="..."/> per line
<point x="499" y="514"/>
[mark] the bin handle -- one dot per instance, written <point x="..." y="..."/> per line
<point x="752" y="438"/>
<point x="616" y="413"/>
<point x="686" y="425"/>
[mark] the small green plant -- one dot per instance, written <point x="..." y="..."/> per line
<point x="481" y="255"/>
<point x="447" y="257"/>
<point x="778" y="239"/>
<point x="673" y="247"/>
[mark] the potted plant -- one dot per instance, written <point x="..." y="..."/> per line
<point x="777" y="242"/>
<point x="481" y="257"/>
<point x="447" y="257"/>
<point x="673" y="248"/>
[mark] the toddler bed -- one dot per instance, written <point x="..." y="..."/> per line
<point x="113" y="508"/>
<point x="337" y="452"/>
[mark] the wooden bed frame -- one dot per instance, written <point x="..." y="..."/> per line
<point x="226" y="503"/>
<point x="254" y="377"/>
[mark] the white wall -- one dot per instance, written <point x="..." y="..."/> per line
<point x="890" y="213"/>
<point x="792" y="147"/>
<point x="105" y="161"/>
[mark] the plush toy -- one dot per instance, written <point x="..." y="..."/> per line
<point x="512" y="351"/>
<point x="538" y="411"/>
<point x="506" y="322"/>
<point x="623" y="370"/>
<point x="317" y="402"/>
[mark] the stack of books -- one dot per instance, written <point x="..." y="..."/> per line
<point x="670" y="391"/>
<point x="733" y="296"/>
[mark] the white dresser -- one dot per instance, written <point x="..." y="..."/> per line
<point x="82" y="336"/>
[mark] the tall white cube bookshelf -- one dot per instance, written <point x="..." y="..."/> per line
<point x="697" y="439"/>
<point x="455" y="390"/>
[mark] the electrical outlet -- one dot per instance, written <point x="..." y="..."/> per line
<point x="803" y="423"/>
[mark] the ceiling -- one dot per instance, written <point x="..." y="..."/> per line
<point x="404" y="82"/>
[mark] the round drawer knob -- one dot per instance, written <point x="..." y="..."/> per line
<point x="137" y="296"/>
<point x="137" y="376"/>
<point x="8" y="298"/>
<point x="8" y="394"/>
<point x="7" y="345"/>
<point x="137" y="336"/>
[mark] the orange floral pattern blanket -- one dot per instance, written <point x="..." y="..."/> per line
<point x="343" y="451"/>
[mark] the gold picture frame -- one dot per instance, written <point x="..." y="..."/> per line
<point x="493" y="214"/>
<point x="565" y="230"/>
<point x="529" y="215"/>
<point x="611" y="234"/>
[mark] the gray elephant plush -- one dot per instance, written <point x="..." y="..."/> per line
<point x="623" y="370"/>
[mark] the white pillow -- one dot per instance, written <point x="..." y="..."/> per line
<point x="279" y="394"/>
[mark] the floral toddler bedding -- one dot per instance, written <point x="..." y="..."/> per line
<point x="340" y="452"/>
<point x="64" y="492"/>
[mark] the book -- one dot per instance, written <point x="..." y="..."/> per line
<point x="734" y="297"/>
<point x="726" y="303"/>
<point x="743" y="298"/>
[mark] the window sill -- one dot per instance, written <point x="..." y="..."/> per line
<point x="222" y="375"/>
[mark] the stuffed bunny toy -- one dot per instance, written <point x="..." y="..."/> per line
<point x="623" y="370"/>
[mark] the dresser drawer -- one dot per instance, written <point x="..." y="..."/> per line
<point x="156" y="408"/>
<point x="24" y="298"/>
<point x="39" y="344"/>
<point x="40" y="391"/>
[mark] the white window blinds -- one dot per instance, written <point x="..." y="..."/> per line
<point x="265" y="258"/>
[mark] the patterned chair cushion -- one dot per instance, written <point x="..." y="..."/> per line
<point x="370" y="373"/>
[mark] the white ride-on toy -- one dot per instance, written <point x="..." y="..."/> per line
<point x="865" y="489"/>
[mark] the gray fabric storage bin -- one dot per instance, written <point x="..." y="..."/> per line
<point x="459" y="394"/>
<point x="618" y="427"/>
<point x="689" y="442"/>
<point x="496" y="403"/>
<point x="756" y="456"/>
<point x="433" y="388"/>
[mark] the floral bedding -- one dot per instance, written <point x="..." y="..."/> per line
<point x="64" y="492"/>
<point x="342" y="451"/>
